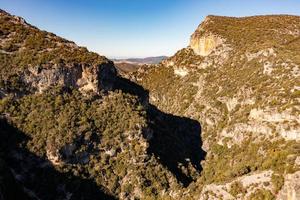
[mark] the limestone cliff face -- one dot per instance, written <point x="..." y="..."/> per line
<point x="204" y="42"/>
<point x="203" y="45"/>
<point x="83" y="77"/>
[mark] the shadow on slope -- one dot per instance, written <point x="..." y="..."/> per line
<point x="177" y="143"/>
<point x="176" y="140"/>
<point x="38" y="177"/>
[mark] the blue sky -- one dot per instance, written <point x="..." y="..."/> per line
<point x="135" y="28"/>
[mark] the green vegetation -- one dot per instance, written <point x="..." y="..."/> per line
<point x="222" y="95"/>
<point x="277" y="181"/>
<point x="254" y="33"/>
<point x="108" y="131"/>
<point x="104" y="138"/>
<point x="262" y="194"/>
<point x="59" y="117"/>
<point x="86" y="137"/>
<point x="26" y="46"/>
<point x="237" y="188"/>
<point x="228" y="163"/>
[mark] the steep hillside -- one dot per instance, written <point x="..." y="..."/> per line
<point x="71" y="128"/>
<point x="34" y="60"/>
<point x="218" y="120"/>
<point x="240" y="78"/>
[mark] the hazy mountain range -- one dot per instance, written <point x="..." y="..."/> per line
<point x="147" y="60"/>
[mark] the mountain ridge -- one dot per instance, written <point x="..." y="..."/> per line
<point x="73" y="128"/>
<point x="133" y="64"/>
<point x="199" y="125"/>
<point x="146" y="60"/>
<point x="220" y="80"/>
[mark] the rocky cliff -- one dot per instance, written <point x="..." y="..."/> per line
<point x="72" y="128"/>
<point x="239" y="78"/>
<point x="34" y="61"/>
<point x="202" y="42"/>
<point x="218" y="120"/>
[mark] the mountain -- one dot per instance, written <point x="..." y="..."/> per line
<point x="72" y="128"/>
<point x="147" y="60"/>
<point x="218" y="120"/>
<point x="133" y="64"/>
<point x="34" y="60"/>
<point x="240" y="78"/>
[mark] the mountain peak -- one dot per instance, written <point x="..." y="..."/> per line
<point x="41" y="60"/>
<point x="241" y="32"/>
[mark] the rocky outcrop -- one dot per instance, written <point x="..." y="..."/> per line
<point x="223" y="191"/>
<point x="41" y="60"/>
<point x="203" y="45"/>
<point x="83" y="77"/>
<point x="16" y="19"/>
<point x="239" y="79"/>
<point x="204" y="42"/>
<point x="67" y="155"/>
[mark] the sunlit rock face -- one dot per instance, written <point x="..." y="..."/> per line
<point x="204" y="45"/>
<point x="202" y="41"/>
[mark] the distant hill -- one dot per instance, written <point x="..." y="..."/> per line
<point x="133" y="64"/>
<point x="147" y="60"/>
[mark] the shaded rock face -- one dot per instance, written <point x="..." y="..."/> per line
<point x="107" y="76"/>
<point x="67" y="155"/>
<point x="9" y="187"/>
<point x="2" y="93"/>
<point x="204" y="45"/>
<point x="76" y="151"/>
<point x="83" y="77"/>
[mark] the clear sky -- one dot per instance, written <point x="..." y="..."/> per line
<point x="135" y="28"/>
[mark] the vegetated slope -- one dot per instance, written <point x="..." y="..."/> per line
<point x="71" y="128"/>
<point x="33" y="60"/>
<point x="240" y="78"/>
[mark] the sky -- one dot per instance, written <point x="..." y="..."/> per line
<point x="135" y="28"/>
